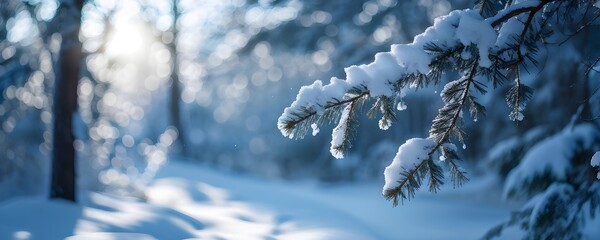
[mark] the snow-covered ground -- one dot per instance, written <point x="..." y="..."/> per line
<point x="191" y="201"/>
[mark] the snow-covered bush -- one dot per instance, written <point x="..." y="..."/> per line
<point x="551" y="160"/>
<point x="505" y="155"/>
<point x="555" y="174"/>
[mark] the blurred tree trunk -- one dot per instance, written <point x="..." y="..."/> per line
<point x="63" y="181"/>
<point x="175" y="107"/>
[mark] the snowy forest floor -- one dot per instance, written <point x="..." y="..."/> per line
<point x="192" y="201"/>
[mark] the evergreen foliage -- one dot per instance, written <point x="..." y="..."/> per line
<point x="562" y="199"/>
<point x="522" y="29"/>
<point x="507" y="154"/>
<point x="561" y="211"/>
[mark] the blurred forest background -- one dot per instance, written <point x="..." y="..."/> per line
<point x="205" y="81"/>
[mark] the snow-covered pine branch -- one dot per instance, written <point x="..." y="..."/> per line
<point x="595" y="162"/>
<point x="561" y="148"/>
<point x="494" y="48"/>
<point x="560" y="189"/>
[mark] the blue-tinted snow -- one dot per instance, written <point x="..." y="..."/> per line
<point x="189" y="201"/>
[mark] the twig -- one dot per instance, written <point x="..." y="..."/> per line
<point x="292" y="124"/>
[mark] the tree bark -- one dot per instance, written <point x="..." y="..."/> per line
<point x="175" y="101"/>
<point x="63" y="182"/>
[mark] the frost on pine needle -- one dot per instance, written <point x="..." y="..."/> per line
<point x="492" y="43"/>
<point x="339" y="136"/>
<point x="384" y="124"/>
<point x="595" y="162"/>
<point x="448" y="152"/>
<point x="401" y="106"/>
<point x="516" y="116"/>
<point x="315" y="129"/>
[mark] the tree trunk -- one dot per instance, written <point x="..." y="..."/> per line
<point x="175" y="108"/>
<point x="63" y="182"/>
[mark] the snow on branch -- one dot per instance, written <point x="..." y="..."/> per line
<point x="493" y="48"/>
<point x="516" y="9"/>
<point x="413" y="64"/>
<point x="595" y="162"/>
<point x="405" y="64"/>
<point x="404" y="176"/>
<point x="550" y="159"/>
<point x="340" y="139"/>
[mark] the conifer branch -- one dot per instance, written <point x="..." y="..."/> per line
<point x="519" y="91"/>
<point x="502" y="16"/>
<point x="424" y="62"/>
<point x="372" y="113"/>
<point x="509" y="3"/>
<point x="442" y="60"/>
<point x="515" y="114"/>
<point x="346" y="125"/>
<point x="412" y="178"/>
<point x="590" y="67"/>
<point x="526" y="27"/>
<point x="487" y="7"/>
<point x="436" y="177"/>
<point x="457" y="175"/>
<point x="408" y="186"/>
<point x="448" y="130"/>
<point x="290" y="125"/>
<point x="445" y="55"/>
<point x="583" y="27"/>
<point x="516" y="110"/>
